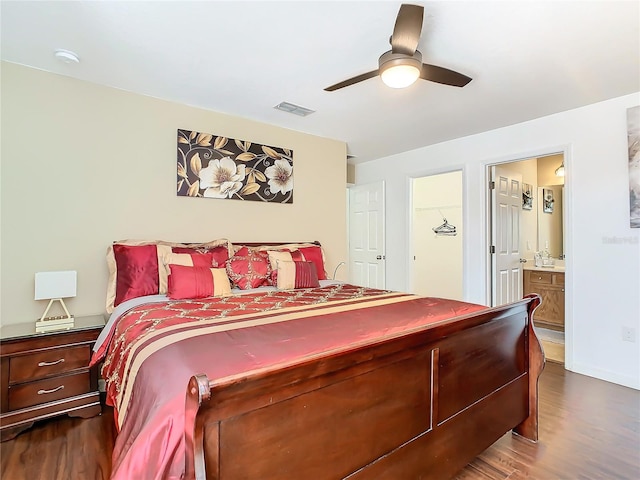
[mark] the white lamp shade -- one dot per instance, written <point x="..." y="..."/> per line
<point x="56" y="284"/>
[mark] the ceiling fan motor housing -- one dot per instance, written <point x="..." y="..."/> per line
<point x="390" y="60"/>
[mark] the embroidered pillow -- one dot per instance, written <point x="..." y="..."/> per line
<point x="248" y="269"/>
<point x="297" y="275"/>
<point x="197" y="282"/>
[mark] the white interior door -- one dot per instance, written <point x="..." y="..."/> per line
<point x="366" y="235"/>
<point x="506" y="266"/>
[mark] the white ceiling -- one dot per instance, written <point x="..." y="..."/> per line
<point x="527" y="59"/>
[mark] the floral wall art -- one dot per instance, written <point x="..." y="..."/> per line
<point x="218" y="167"/>
<point x="547" y="200"/>
<point x="527" y="196"/>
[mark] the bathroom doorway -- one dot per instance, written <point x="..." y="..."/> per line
<point x="534" y="242"/>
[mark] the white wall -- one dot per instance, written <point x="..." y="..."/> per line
<point x="84" y="165"/>
<point x="603" y="253"/>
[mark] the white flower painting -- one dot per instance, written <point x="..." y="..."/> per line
<point x="217" y="167"/>
<point x="633" y="135"/>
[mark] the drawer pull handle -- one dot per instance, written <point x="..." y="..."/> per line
<point x="48" y="364"/>
<point x="53" y="390"/>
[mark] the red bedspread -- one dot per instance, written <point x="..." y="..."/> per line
<point x="155" y="348"/>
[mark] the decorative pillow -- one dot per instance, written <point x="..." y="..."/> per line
<point x="283" y="255"/>
<point x="133" y="272"/>
<point x="309" y="254"/>
<point x="191" y="258"/>
<point x="197" y="282"/>
<point x="297" y="275"/>
<point x="314" y="254"/>
<point x="248" y="269"/>
<point x="219" y="255"/>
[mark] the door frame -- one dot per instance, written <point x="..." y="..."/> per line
<point x="567" y="225"/>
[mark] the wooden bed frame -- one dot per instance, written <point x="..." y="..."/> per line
<point x="419" y="406"/>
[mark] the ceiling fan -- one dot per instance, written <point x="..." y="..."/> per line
<point x="402" y="65"/>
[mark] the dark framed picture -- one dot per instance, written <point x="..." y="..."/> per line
<point x="547" y="200"/>
<point x="527" y="196"/>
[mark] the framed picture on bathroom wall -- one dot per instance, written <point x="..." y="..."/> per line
<point x="527" y="196"/>
<point x="547" y="200"/>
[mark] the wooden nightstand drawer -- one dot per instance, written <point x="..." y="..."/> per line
<point x="43" y="374"/>
<point x="540" y="277"/>
<point x="48" y="390"/>
<point x="51" y="362"/>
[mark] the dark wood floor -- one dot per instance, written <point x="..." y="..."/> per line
<point x="589" y="429"/>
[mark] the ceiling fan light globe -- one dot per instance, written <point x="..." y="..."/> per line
<point x="400" y="76"/>
<point x="399" y="70"/>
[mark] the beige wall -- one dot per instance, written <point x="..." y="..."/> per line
<point x="83" y="165"/>
<point x="547" y="167"/>
<point x="437" y="266"/>
<point x="550" y="225"/>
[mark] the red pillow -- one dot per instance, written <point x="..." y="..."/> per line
<point x="218" y="255"/>
<point x="248" y="269"/>
<point x="314" y="254"/>
<point x="197" y="282"/>
<point x="297" y="275"/>
<point x="137" y="271"/>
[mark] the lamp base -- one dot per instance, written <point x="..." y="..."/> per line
<point x="48" y="324"/>
<point x="43" y="326"/>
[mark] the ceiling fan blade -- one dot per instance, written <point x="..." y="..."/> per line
<point x="406" y="33"/>
<point x="443" y="75"/>
<point x="351" y="81"/>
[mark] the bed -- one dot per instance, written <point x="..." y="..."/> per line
<point x="328" y="381"/>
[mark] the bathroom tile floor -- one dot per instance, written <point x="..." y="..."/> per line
<point x="553" y="344"/>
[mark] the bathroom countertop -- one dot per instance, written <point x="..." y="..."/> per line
<point x="531" y="266"/>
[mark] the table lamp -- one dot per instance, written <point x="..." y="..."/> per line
<point x="54" y="286"/>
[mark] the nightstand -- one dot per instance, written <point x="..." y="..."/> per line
<point x="47" y="374"/>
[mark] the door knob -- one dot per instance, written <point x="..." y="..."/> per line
<point x="380" y="257"/>
<point x="523" y="260"/>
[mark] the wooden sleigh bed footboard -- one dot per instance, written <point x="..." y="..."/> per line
<point x="419" y="406"/>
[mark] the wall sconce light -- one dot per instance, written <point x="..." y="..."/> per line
<point x="54" y="286"/>
<point x="560" y="170"/>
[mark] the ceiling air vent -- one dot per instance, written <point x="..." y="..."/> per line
<point x="295" y="109"/>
